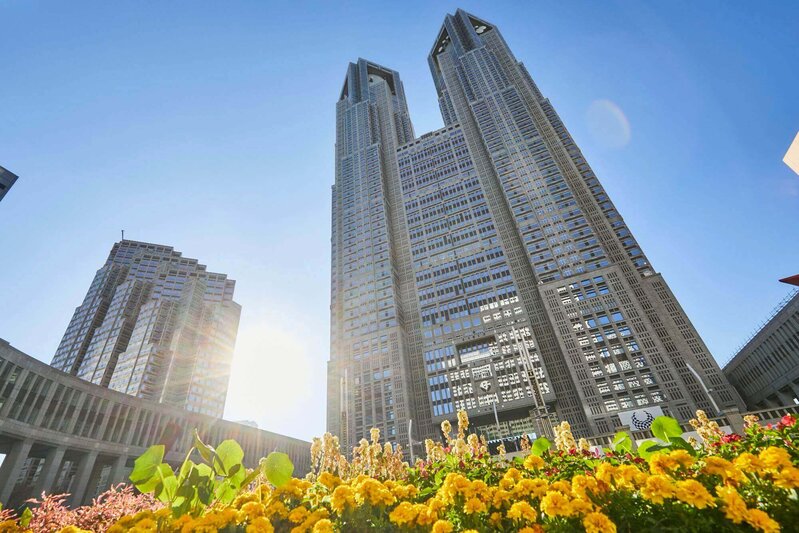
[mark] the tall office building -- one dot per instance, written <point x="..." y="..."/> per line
<point x="7" y="179"/>
<point x="483" y="267"/>
<point x="156" y="325"/>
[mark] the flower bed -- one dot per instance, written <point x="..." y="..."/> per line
<point x="730" y="483"/>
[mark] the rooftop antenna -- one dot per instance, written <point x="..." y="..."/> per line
<point x="123" y="235"/>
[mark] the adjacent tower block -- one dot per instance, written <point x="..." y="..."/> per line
<point x="156" y="325"/>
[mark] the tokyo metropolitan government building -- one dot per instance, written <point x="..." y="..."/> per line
<point x="483" y="267"/>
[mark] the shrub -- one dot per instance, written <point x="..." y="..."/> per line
<point x="730" y="483"/>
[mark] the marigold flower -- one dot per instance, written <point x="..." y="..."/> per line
<point x="762" y="521"/>
<point x="734" y="506"/>
<point x="775" y="458"/>
<point x="788" y="478"/>
<point x="598" y="523"/>
<point x="556" y="504"/>
<point x="474" y="505"/>
<point x="323" y="526"/>
<point x="442" y="526"/>
<point x="533" y="462"/>
<point x="694" y="493"/>
<point x="260" y="525"/>
<point x="657" y="488"/>
<point x="522" y="511"/>
<point x="252" y="510"/>
<point x="342" y="497"/>
<point x="404" y="513"/>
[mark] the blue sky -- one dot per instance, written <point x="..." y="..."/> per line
<point x="209" y="126"/>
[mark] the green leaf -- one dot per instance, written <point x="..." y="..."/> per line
<point x="167" y="488"/>
<point x="622" y="442"/>
<point x="665" y="427"/>
<point x="25" y="519"/>
<point x="162" y="471"/>
<point x="145" y="467"/>
<point x="645" y="449"/>
<point x="278" y="468"/>
<point x="682" y="444"/>
<point x="540" y="445"/>
<point x="228" y="454"/>
<point x="206" y="452"/>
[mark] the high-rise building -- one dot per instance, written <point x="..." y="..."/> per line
<point x="483" y="267"/>
<point x="156" y="325"/>
<point x="7" y="179"/>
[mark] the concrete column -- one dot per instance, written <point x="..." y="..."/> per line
<point x="12" y="398"/>
<point x="12" y="466"/>
<point x="46" y="404"/>
<point x="735" y="419"/>
<point x="119" y="471"/>
<point x="82" y="477"/>
<point x="49" y="473"/>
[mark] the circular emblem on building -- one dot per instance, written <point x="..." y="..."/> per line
<point x="642" y="424"/>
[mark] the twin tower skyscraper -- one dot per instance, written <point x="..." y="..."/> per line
<point x="483" y="267"/>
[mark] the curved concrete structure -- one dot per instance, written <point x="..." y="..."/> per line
<point x="62" y="434"/>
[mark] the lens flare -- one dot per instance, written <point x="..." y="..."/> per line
<point x="608" y="124"/>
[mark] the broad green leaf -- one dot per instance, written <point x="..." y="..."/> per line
<point x="185" y="470"/>
<point x="144" y="468"/>
<point x="206" y="452"/>
<point x="645" y="449"/>
<point x="622" y="442"/>
<point x="162" y="471"/>
<point x="278" y="468"/>
<point x="540" y="445"/>
<point x="25" y="518"/>
<point x="682" y="444"/>
<point x="665" y="427"/>
<point x="167" y="489"/>
<point x="228" y="454"/>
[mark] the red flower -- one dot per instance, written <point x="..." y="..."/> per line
<point x="732" y="437"/>
<point x="788" y="420"/>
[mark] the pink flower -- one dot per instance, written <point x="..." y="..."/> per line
<point x="788" y="420"/>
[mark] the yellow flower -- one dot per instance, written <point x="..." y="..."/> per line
<point x="442" y="526"/>
<point x="533" y="462"/>
<point x="694" y="493"/>
<point x="721" y="467"/>
<point x="660" y="463"/>
<point x="748" y="462"/>
<point x="298" y="515"/>
<point x="260" y="525"/>
<point x="342" y="498"/>
<point x="474" y="505"/>
<point x="252" y="510"/>
<point x="404" y="513"/>
<point x="323" y="526"/>
<point x="522" y="511"/>
<point x="682" y="458"/>
<point x="775" y="458"/>
<point x="598" y="523"/>
<point x="734" y="506"/>
<point x="760" y="520"/>
<point x="495" y="519"/>
<point x="657" y="488"/>
<point x="556" y="504"/>
<point x="788" y="478"/>
<point x="604" y="473"/>
<point x="329" y="480"/>
<point x="535" y="488"/>
<point x="535" y="528"/>
<point x="562" y="486"/>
